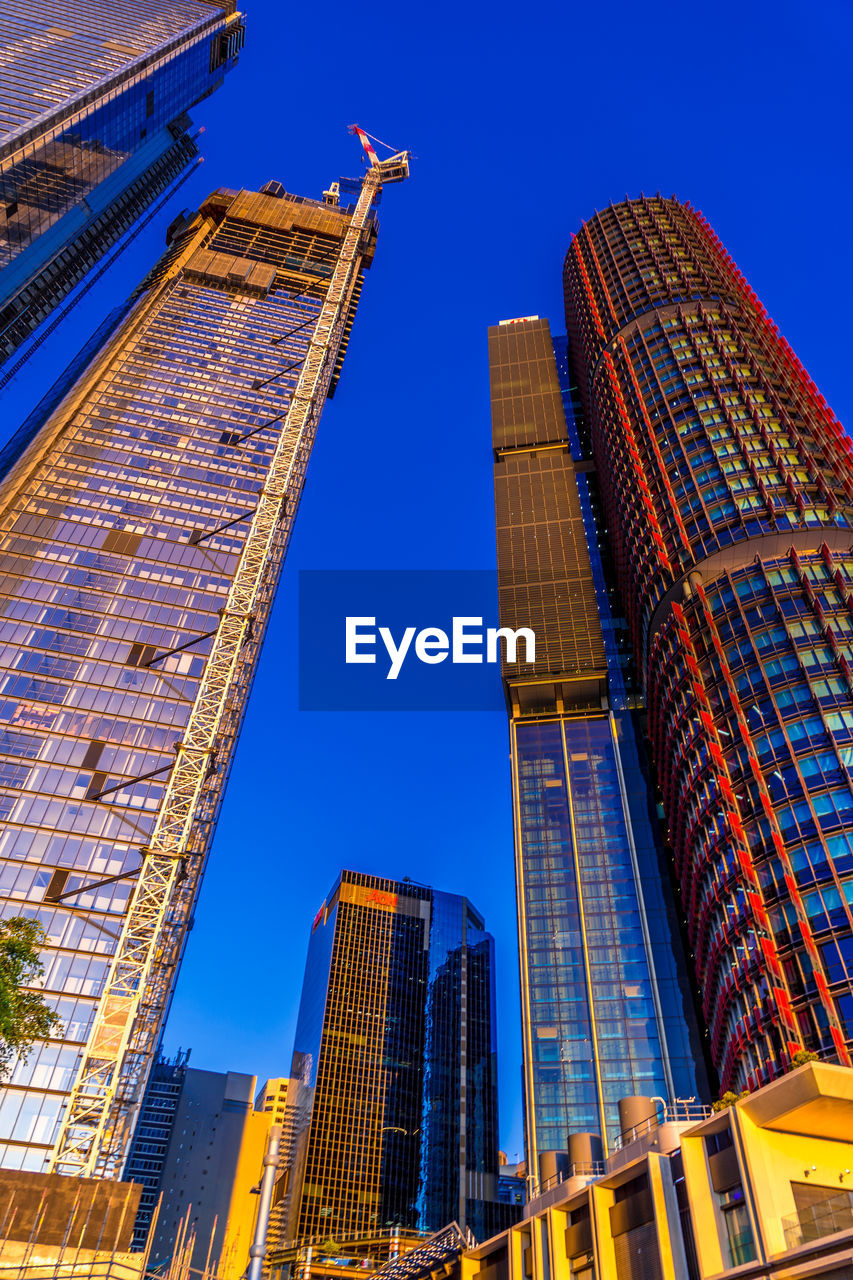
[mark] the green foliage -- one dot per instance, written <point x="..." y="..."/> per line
<point x="728" y="1099"/>
<point x="25" y="1015"/>
<point x="804" y="1055"/>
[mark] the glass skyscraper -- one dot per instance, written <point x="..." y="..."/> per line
<point x="728" y="493"/>
<point x="144" y="516"/>
<point x="93" y="127"/>
<point x="606" y="1005"/>
<point x="395" y="1102"/>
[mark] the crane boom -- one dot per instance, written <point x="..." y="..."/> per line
<point x="394" y="169"/>
<point x="368" y="146"/>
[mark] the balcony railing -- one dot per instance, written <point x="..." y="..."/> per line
<point x="585" y="1169"/>
<point x="835" y="1213"/>
<point x="676" y="1113"/>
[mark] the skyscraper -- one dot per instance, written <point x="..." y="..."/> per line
<point x="152" y="1135"/>
<point x="93" y="128"/>
<point x="394" y="1055"/>
<point x="727" y="487"/>
<point x="606" y="1007"/>
<point x="144" y="517"/>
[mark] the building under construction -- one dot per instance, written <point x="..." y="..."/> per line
<point x="145" y="512"/>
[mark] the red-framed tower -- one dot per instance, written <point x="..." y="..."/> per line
<point x="728" y="488"/>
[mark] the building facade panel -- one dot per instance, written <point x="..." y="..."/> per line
<point x="527" y="406"/>
<point x="209" y="1146"/>
<point x="545" y="581"/>
<point x="93" y="102"/>
<point x="146" y="1159"/>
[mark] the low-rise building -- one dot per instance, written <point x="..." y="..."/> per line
<point x="198" y="1153"/>
<point x="762" y="1190"/>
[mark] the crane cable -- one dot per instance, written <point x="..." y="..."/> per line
<point x="379" y="142"/>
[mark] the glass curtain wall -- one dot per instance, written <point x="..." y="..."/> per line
<point x="123" y="515"/>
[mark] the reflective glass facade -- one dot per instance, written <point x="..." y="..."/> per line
<point x="607" y="1016"/>
<point x="92" y="128"/>
<point x="395" y="1117"/>
<point x="125" y="507"/>
<point x="727" y="487"/>
<point x="607" y="1010"/>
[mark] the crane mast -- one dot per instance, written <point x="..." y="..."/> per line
<point x="97" y="1124"/>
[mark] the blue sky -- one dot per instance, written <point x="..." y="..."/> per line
<point x="523" y="120"/>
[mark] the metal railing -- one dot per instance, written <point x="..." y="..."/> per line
<point x="815" y="1221"/>
<point x="667" y="1113"/>
<point x="107" y="1270"/>
<point x="381" y="1236"/>
<point x="584" y="1169"/>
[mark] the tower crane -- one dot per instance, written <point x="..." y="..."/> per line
<point x="98" y="1121"/>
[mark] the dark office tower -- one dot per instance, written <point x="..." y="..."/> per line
<point x="144" y="517"/>
<point x="727" y="485"/>
<point x="395" y="1059"/>
<point x="93" y="128"/>
<point x="153" y="1133"/>
<point x="606" y="1011"/>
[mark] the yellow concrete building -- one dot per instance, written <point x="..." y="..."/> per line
<point x="760" y="1191"/>
<point x="272" y="1098"/>
<point x="243" y="1206"/>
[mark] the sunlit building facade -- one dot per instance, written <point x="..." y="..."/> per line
<point x="129" y="498"/>
<point x="93" y="128"/>
<point x="607" y="1007"/>
<point x="727" y="486"/>
<point x="272" y="1101"/>
<point x="394" y="1067"/>
<point x="757" y="1189"/>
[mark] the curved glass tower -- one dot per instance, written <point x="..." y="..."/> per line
<point x="727" y="487"/>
